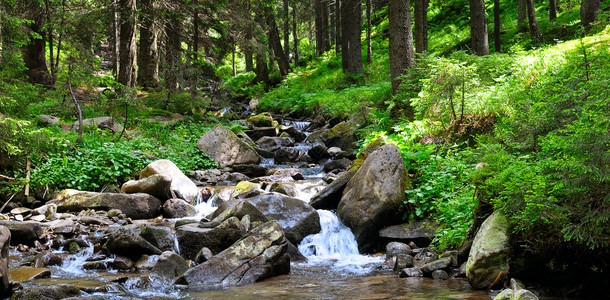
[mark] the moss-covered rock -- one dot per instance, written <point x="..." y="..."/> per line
<point x="225" y="148"/>
<point x="261" y="120"/>
<point x="135" y="206"/>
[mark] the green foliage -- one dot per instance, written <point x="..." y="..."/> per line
<point x="241" y="86"/>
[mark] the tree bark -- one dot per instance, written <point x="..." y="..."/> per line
<point x="128" y="47"/>
<point x="286" y="28"/>
<point x="332" y="16"/>
<point x="115" y="38"/>
<point x="148" y="51"/>
<point x="533" y="22"/>
<point x="497" y="27"/>
<point x="478" y="27"/>
<point x="276" y="44"/>
<point x="322" y="29"/>
<point x="294" y="35"/>
<point x="369" y="45"/>
<point x="248" y="53"/>
<point x="351" y="17"/>
<point x="173" y="51"/>
<point x="521" y="16"/>
<point x="195" y="34"/>
<point x="421" y="25"/>
<point x="400" y="43"/>
<point x="338" y="21"/>
<point x="261" y="71"/>
<point x="552" y="9"/>
<point x="588" y="12"/>
<point x="34" y="56"/>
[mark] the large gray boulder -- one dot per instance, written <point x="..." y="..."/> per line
<point x="127" y="242"/>
<point x="259" y="255"/>
<point x="5" y="241"/>
<point x="109" y="123"/>
<point x="178" y="208"/>
<point x="225" y="148"/>
<point x="135" y="206"/>
<point x="192" y="238"/>
<point x="272" y="143"/>
<point x="168" y="267"/>
<point x="374" y="197"/>
<point x="25" y="233"/>
<point x="488" y="258"/>
<point x="329" y="197"/>
<point x="157" y="185"/>
<point x="298" y="219"/>
<point x="342" y="135"/>
<point x="181" y="186"/>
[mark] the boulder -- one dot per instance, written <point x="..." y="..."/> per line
<point x="245" y="186"/>
<point x="440" y="275"/>
<point x="109" y="123"/>
<point x="286" y="154"/>
<point x="159" y="236"/>
<point x="318" y="152"/>
<point x="22" y="232"/>
<point x="396" y="248"/>
<point x="178" y="208"/>
<point x="238" y="209"/>
<point x="259" y="132"/>
<point x="181" y="186"/>
<point x="261" y="120"/>
<point x="49" y="292"/>
<point x="250" y="170"/>
<point x="122" y="263"/>
<point x="330" y="196"/>
<point x="297" y="218"/>
<point x="402" y="261"/>
<point x="439" y="264"/>
<point x="23" y="273"/>
<point x="272" y="143"/>
<point x="342" y="164"/>
<point x="125" y="241"/>
<point x="411" y="272"/>
<point x="284" y="188"/>
<point x="293" y="132"/>
<point x="259" y="255"/>
<point x="192" y="238"/>
<point x="342" y="135"/>
<point x="334" y="151"/>
<point x="225" y="148"/>
<point x="374" y="197"/>
<point x="419" y="231"/>
<point x="49" y="120"/>
<point x="135" y="206"/>
<point x="169" y="266"/>
<point x="157" y="185"/>
<point x="289" y="173"/>
<point x="488" y="258"/>
<point x="5" y="241"/>
<point x="47" y="258"/>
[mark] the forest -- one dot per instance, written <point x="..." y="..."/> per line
<point x="495" y="106"/>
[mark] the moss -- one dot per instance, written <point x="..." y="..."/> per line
<point x="261" y="120"/>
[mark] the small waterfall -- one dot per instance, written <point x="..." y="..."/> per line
<point x="204" y="208"/>
<point x="298" y="125"/>
<point x="336" y="246"/>
<point x="73" y="264"/>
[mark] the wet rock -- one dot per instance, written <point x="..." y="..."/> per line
<point x="396" y="248"/>
<point x="22" y="273"/>
<point x="259" y="132"/>
<point x="23" y="232"/>
<point x="284" y="175"/>
<point x="181" y="186"/>
<point x="284" y="188"/>
<point x="259" y="255"/>
<point x="50" y="292"/>
<point x="136" y="206"/>
<point x="159" y="236"/>
<point x="489" y="253"/>
<point x="261" y="120"/>
<point x="453" y="255"/>
<point x="297" y="218"/>
<point x="146" y="262"/>
<point x="5" y="241"/>
<point x="178" y="208"/>
<point x="169" y="266"/>
<point x="403" y="261"/>
<point x="441" y="263"/>
<point x="286" y="154"/>
<point x="419" y="231"/>
<point x="238" y="209"/>
<point x="122" y="263"/>
<point x="211" y="176"/>
<point x="506" y="294"/>
<point x="65" y="226"/>
<point x="424" y="256"/>
<point x="191" y="237"/>
<point x="318" y="152"/>
<point x="125" y="241"/>
<point x="157" y="185"/>
<point x="250" y="170"/>
<point x="374" y="197"/>
<point x="101" y="265"/>
<point x="330" y="196"/>
<point x="109" y="123"/>
<point x="293" y="132"/>
<point x="224" y="147"/>
<point x="203" y="255"/>
<point x="272" y="143"/>
<point x="91" y="220"/>
<point x="411" y="272"/>
<point x="47" y="258"/>
<point x="245" y="186"/>
<point x="440" y="275"/>
<point x="342" y="135"/>
<point x="334" y="151"/>
<point x="338" y="165"/>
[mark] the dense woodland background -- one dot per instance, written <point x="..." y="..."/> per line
<point x="495" y="105"/>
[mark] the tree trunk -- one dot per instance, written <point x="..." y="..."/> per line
<point x="195" y="34"/>
<point x="115" y="39"/>
<point x="533" y="22"/>
<point x="521" y="16"/>
<point x="294" y="35"/>
<point x="47" y="5"/>
<point x="286" y="28"/>
<point x="173" y="51"/>
<point x="401" y="41"/>
<point x="379" y="4"/>
<point x="421" y="25"/>
<point x="34" y="56"/>
<point x="338" y="21"/>
<point x="552" y="9"/>
<point x="261" y="71"/>
<point x="369" y="45"/>
<point x="128" y="47"/>
<point x="588" y="12"/>
<point x="497" y="26"/>
<point x="248" y="53"/>
<point x="148" y="51"/>
<point x="322" y="29"/>
<point x="351" y="17"/>
<point x="276" y="44"/>
<point x="332" y="16"/>
<point x="478" y="27"/>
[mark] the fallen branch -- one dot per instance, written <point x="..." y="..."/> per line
<point x="28" y="170"/>
<point x="6" y="177"/>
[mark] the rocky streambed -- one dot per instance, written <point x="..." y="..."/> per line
<point x="287" y="215"/>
